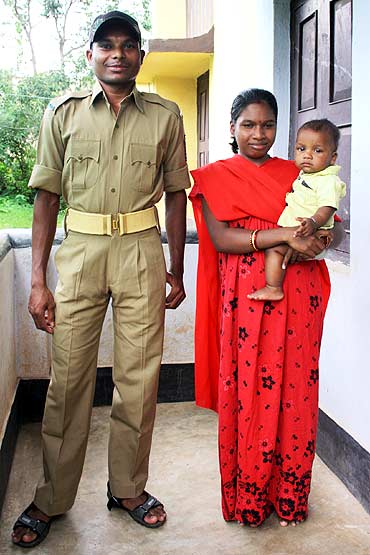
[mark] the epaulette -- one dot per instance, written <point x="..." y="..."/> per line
<point x="55" y="103"/>
<point x="156" y="99"/>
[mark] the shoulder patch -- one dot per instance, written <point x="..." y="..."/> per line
<point x="55" y="103"/>
<point x="153" y="98"/>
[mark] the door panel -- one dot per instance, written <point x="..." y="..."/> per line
<point x="307" y="80"/>
<point x="203" y="118"/>
<point x="321" y="67"/>
<point x="340" y="51"/>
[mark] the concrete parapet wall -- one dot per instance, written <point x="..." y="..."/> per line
<point x="8" y="375"/>
<point x="33" y="348"/>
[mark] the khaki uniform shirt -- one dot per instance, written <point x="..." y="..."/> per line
<point x="103" y="163"/>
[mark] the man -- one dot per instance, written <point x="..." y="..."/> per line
<point x="110" y="153"/>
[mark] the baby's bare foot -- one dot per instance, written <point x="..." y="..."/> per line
<point x="267" y="293"/>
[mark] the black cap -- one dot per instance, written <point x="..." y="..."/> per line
<point x="114" y="16"/>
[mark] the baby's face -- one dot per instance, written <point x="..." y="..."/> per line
<point x="314" y="151"/>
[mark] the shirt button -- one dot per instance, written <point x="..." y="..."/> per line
<point x="148" y="163"/>
<point x="80" y="157"/>
<point x="116" y="126"/>
<point x="113" y="190"/>
<point x="115" y="157"/>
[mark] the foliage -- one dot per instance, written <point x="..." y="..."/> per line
<point x="22" y="11"/>
<point x="23" y="99"/>
<point x="147" y="19"/>
<point x="61" y="12"/>
<point x="71" y="22"/>
<point x="16" y="212"/>
<point x="22" y="103"/>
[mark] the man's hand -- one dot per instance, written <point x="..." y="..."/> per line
<point x="176" y="230"/>
<point x="41" y="303"/>
<point x="41" y="306"/>
<point x="177" y="293"/>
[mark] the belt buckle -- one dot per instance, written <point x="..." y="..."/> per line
<point x="115" y="223"/>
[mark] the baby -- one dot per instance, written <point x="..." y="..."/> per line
<point x="313" y="201"/>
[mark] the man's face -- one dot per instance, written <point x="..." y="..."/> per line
<point x="115" y="56"/>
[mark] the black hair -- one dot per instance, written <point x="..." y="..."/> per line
<point x="323" y="125"/>
<point x="250" y="96"/>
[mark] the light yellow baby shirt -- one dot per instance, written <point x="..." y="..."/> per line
<point x="310" y="192"/>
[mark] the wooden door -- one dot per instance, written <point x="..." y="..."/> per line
<point x="321" y="84"/>
<point x="203" y="118"/>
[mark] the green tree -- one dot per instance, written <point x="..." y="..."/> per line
<point x="60" y="12"/>
<point x="22" y="11"/>
<point x="23" y="100"/>
<point x="22" y="104"/>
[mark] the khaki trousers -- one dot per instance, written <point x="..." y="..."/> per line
<point x="130" y="270"/>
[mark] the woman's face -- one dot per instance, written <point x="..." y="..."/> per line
<point x="255" y="131"/>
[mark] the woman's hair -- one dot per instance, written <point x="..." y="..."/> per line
<point x="323" y="126"/>
<point x="250" y="96"/>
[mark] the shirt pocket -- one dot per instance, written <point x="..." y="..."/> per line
<point x="143" y="166"/>
<point x="83" y="160"/>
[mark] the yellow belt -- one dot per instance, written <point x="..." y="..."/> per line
<point x="107" y="224"/>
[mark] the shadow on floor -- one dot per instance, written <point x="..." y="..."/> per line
<point x="184" y="475"/>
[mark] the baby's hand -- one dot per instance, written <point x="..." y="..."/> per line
<point x="306" y="228"/>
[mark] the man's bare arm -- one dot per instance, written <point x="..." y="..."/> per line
<point x="41" y="303"/>
<point x="176" y="234"/>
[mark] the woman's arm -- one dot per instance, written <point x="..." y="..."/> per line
<point x="238" y="241"/>
<point x="339" y="235"/>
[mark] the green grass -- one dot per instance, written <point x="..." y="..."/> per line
<point x="14" y="215"/>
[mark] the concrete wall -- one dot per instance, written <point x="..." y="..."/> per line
<point x="252" y="49"/>
<point x="28" y="350"/>
<point x="345" y="376"/>
<point x="345" y="353"/>
<point x="8" y="376"/>
<point x="243" y="58"/>
<point x="281" y="75"/>
<point x="169" y="19"/>
<point x="184" y="93"/>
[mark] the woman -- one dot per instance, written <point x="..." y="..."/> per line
<point x="257" y="363"/>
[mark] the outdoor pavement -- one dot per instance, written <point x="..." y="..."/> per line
<point x="184" y="475"/>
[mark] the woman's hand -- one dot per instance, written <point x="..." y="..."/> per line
<point x="309" y="247"/>
<point x="326" y="236"/>
<point x="293" y="255"/>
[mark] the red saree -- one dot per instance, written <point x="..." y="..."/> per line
<point x="257" y="363"/>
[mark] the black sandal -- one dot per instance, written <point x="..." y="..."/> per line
<point x="39" y="527"/>
<point x="140" y="512"/>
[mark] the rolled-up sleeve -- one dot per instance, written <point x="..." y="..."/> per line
<point x="47" y="172"/>
<point x="176" y="173"/>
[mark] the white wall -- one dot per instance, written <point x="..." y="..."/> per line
<point x="243" y="29"/>
<point x="345" y="352"/>
<point x="258" y="34"/>
<point x="345" y="358"/>
<point x="281" y="86"/>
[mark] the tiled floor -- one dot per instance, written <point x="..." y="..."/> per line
<point x="184" y="475"/>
